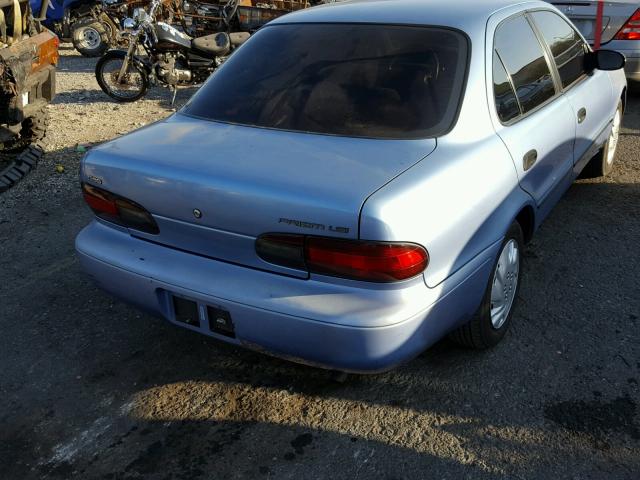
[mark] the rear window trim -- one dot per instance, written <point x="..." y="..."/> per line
<point x="582" y="77"/>
<point x="455" y="117"/>
<point x="557" y="85"/>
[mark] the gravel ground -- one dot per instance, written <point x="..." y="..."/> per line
<point x="93" y="389"/>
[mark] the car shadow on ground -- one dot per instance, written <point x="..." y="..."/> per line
<point x="558" y="395"/>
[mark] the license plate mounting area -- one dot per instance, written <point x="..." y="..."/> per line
<point x="207" y="318"/>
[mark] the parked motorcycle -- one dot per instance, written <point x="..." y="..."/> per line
<point x="173" y="58"/>
<point x="93" y="26"/>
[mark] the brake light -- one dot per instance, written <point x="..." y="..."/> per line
<point x="119" y="210"/>
<point x="631" y="29"/>
<point x="354" y="259"/>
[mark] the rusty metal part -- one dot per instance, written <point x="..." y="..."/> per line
<point x="28" y="55"/>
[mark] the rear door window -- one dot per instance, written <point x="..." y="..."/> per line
<point x="522" y="55"/>
<point x="566" y="45"/>
<point x="380" y="81"/>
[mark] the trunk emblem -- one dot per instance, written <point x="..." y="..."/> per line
<point x="197" y="213"/>
<point x="313" y="226"/>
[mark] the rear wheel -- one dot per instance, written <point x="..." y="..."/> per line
<point x="602" y="164"/>
<point x="132" y="86"/>
<point x="90" y="37"/>
<point x="493" y="318"/>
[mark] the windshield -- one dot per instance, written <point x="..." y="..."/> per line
<point x="361" y="80"/>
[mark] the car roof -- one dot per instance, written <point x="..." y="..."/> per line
<point x="462" y="14"/>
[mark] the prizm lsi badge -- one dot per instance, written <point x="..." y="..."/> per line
<point x="314" y="226"/>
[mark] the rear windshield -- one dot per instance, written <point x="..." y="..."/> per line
<point x="380" y="81"/>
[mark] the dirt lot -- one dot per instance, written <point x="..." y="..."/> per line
<point x="92" y="389"/>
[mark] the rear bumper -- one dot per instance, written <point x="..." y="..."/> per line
<point x="344" y="325"/>
<point x="632" y="69"/>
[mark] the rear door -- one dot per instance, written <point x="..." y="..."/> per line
<point x="536" y="122"/>
<point x="590" y="94"/>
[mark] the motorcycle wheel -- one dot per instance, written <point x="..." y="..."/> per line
<point x="133" y="86"/>
<point x="90" y="37"/>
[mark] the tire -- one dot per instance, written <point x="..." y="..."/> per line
<point x="90" y="37"/>
<point x="105" y="76"/>
<point x="489" y="324"/>
<point x="33" y="130"/>
<point x="601" y="165"/>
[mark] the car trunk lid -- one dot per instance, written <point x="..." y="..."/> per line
<point x="583" y="15"/>
<point x="213" y="187"/>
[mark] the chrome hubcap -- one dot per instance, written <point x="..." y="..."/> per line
<point x="90" y="38"/>
<point x="613" y="138"/>
<point x="505" y="283"/>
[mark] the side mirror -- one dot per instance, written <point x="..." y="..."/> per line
<point x="606" y="60"/>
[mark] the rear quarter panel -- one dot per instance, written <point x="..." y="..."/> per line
<point x="456" y="203"/>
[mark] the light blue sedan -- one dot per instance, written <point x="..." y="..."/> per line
<point x="358" y="180"/>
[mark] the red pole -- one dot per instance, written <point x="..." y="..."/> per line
<point x="598" y="37"/>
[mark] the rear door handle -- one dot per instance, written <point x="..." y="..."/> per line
<point x="529" y="159"/>
<point x="582" y="114"/>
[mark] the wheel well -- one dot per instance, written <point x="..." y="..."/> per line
<point x="526" y="219"/>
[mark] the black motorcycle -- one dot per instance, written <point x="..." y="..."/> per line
<point x="173" y="59"/>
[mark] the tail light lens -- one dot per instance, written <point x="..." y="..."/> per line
<point x="354" y="259"/>
<point x="119" y="210"/>
<point x="284" y="250"/>
<point x="47" y="53"/>
<point x="631" y="29"/>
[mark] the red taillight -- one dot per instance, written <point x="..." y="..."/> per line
<point x="119" y="210"/>
<point x="631" y="29"/>
<point x="354" y="259"/>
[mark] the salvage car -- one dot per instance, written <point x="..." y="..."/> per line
<point x="620" y="28"/>
<point x="357" y="180"/>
